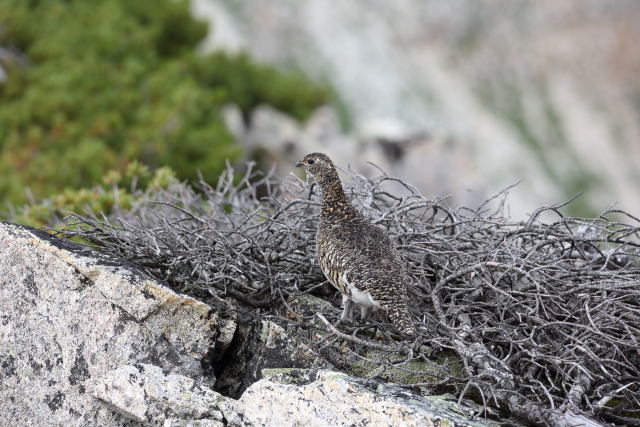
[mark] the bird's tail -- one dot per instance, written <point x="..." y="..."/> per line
<point x="401" y="318"/>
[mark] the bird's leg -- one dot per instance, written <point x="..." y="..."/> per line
<point x="365" y="313"/>
<point x="347" y="308"/>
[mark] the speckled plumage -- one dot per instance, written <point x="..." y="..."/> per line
<point x="356" y="256"/>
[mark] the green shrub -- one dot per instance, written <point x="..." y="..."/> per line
<point x="115" y="81"/>
<point x="116" y="191"/>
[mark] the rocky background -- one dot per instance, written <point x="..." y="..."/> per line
<point x="473" y="95"/>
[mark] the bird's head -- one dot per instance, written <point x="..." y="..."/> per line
<point x="319" y="165"/>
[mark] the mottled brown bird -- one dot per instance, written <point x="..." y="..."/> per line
<point x="356" y="256"/>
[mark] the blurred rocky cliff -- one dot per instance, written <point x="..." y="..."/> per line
<point x="460" y="95"/>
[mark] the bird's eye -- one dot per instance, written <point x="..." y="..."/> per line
<point x="310" y="162"/>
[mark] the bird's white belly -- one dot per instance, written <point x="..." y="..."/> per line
<point x="359" y="297"/>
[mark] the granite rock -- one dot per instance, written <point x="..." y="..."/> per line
<point x="295" y="397"/>
<point x="69" y="314"/>
<point x="147" y="394"/>
<point x="283" y="397"/>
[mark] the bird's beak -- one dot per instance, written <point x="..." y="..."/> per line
<point x="299" y="164"/>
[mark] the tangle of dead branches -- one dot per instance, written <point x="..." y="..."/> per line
<point x="543" y="315"/>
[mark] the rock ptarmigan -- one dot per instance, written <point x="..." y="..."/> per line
<point x="356" y="256"/>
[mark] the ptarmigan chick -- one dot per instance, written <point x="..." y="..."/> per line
<point x="356" y="256"/>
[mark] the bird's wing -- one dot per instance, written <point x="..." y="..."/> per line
<point x="331" y="257"/>
<point x="359" y="255"/>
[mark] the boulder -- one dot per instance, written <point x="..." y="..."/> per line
<point x="283" y="397"/>
<point x="294" y="397"/>
<point x="153" y="397"/>
<point x="69" y="315"/>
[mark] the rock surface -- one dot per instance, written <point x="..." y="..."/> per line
<point x="68" y="314"/>
<point x="325" y="398"/>
<point x="152" y="397"/>
<point x="284" y="397"/>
